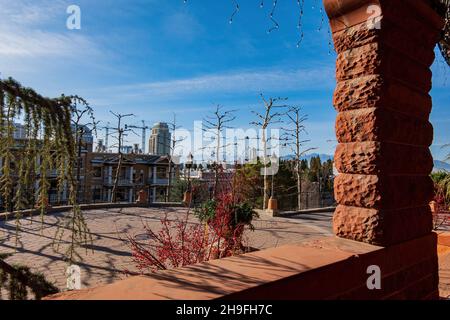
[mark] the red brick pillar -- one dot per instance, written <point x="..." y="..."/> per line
<point x="385" y="50"/>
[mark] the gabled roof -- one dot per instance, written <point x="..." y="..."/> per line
<point x="113" y="158"/>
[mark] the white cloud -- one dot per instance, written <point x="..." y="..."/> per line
<point x="30" y="12"/>
<point x="36" y="43"/>
<point x="24" y="31"/>
<point x="235" y="82"/>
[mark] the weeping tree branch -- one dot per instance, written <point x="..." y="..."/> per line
<point x="49" y="145"/>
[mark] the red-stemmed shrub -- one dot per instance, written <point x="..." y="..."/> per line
<point x="192" y="239"/>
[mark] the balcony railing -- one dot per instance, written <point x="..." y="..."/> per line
<point x="124" y="182"/>
<point x="159" y="181"/>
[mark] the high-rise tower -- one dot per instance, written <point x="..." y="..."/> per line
<point x="159" y="143"/>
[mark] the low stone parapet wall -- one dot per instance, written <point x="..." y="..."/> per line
<point x="84" y="207"/>
<point x="329" y="268"/>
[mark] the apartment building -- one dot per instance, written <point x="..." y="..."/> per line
<point x="138" y="172"/>
<point x="97" y="174"/>
<point x="31" y="193"/>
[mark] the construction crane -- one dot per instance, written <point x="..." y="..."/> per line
<point x="107" y="128"/>
<point x="144" y="133"/>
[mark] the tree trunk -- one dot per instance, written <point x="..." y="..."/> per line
<point x="216" y="167"/>
<point x="266" y="180"/>
<point x="116" y="179"/>
<point x="169" y="180"/>
<point x="299" y="187"/>
<point x="79" y="169"/>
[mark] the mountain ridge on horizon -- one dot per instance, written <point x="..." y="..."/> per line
<point x="439" y="165"/>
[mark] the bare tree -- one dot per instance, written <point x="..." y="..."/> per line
<point x="120" y="132"/>
<point x="173" y="144"/>
<point x="80" y="129"/>
<point x="267" y="117"/>
<point x="218" y="121"/>
<point x="292" y="138"/>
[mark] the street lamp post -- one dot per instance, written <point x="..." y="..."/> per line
<point x="273" y="202"/>
<point x="188" y="194"/>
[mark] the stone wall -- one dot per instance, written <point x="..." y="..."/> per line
<point x="329" y="268"/>
<point x="385" y="50"/>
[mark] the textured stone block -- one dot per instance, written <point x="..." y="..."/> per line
<point x="389" y="37"/>
<point x="355" y="36"/>
<point x="358" y="190"/>
<point x="381" y="227"/>
<point x="380" y="125"/>
<point x="374" y="91"/>
<point x="373" y="158"/>
<point x="372" y="59"/>
<point x="358" y="62"/>
<point x="383" y="192"/>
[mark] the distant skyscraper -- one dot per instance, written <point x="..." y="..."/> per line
<point x="87" y="139"/>
<point x="101" y="148"/>
<point x="159" y="143"/>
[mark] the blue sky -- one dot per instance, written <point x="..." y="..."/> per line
<point x="154" y="57"/>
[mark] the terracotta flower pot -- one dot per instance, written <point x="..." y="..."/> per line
<point x="142" y="197"/>
<point x="433" y="206"/>
<point x="273" y="204"/>
<point x="187" y="199"/>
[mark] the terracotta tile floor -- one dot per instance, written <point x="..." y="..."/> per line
<point x="110" y="255"/>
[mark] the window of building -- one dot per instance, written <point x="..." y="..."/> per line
<point x="97" y="172"/>
<point x="97" y="194"/>
<point x="161" y="173"/>
<point x="124" y="173"/>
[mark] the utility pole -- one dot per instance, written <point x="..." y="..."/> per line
<point x="144" y="133"/>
